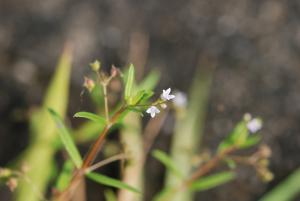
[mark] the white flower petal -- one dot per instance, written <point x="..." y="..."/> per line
<point x="166" y="95"/>
<point x="152" y="114"/>
<point x="153" y="110"/>
<point x="171" y="97"/>
<point x="254" y="125"/>
<point x="148" y="110"/>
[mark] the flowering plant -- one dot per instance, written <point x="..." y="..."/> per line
<point x="138" y="98"/>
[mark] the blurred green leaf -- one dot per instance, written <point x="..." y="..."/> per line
<point x="225" y="144"/>
<point x="65" y="176"/>
<point x="43" y="132"/>
<point x="88" y="131"/>
<point x="251" y="141"/>
<point x="168" y="162"/>
<point x="91" y="116"/>
<point x="129" y="83"/>
<point x="150" y="82"/>
<point x="138" y="97"/>
<point x="66" y="139"/>
<point x="142" y="96"/>
<point x="110" y="195"/>
<point x="108" y="181"/>
<point x="212" y="181"/>
<point x="286" y="190"/>
<point x="240" y="133"/>
<point x="237" y="137"/>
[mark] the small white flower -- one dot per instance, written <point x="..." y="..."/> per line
<point x="163" y="106"/>
<point x="180" y="99"/>
<point x="254" y="125"/>
<point x="166" y="95"/>
<point x="153" y="110"/>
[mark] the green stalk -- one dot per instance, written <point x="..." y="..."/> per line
<point x="39" y="155"/>
<point x="131" y="138"/>
<point x="188" y="131"/>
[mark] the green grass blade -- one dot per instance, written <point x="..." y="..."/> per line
<point x="168" y="162"/>
<point x="66" y="139"/>
<point x="90" y="116"/>
<point x="212" y="181"/>
<point x="108" y="181"/>
<point x="129" y="82"/>
<point x="286" y="190"/>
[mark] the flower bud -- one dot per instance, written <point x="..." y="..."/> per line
<point x="265" y="151"/>
<point x="114" y="71"/>
<point x="12" y="184"/>
<point x="266" y="175"/>
<point x="96" y="65"/>
<point x="89" y="84"/>
<point x="163" y="106"/>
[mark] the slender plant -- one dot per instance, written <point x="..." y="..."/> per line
<point x="137" y="99"/>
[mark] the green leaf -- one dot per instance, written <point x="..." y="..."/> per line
<point x="286" y="190"/>
<point x="65" y="176"/>
<point x="90" y="116"/>
<point x="66" y="139"/>
<point x="237" y="137"/>
<point x="240" y="133"/>
<point x="225" y="144"/>
<point x="141" y="96"/>
<point x="110" y="195"/>
<point x="251" y="141"/>
<point x="108" y="181"/>
<point x="167" y="161"/>
<point x="212" y="181"/>
<point x="129" y="83"/>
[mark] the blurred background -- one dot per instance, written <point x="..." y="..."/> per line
<point x="253" y="44"/>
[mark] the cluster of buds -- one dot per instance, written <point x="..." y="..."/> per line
<point x="164" y="97"/>
<point x="103" y="78"/>
<point x="260" y="161"/>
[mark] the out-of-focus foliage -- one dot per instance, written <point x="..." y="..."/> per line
<point x="285" y="190"/>
<point x="39" y="155"/>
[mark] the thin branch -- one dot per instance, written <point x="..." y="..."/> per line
<point x="106" y="161"/>
<point x="209" y="166"/>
